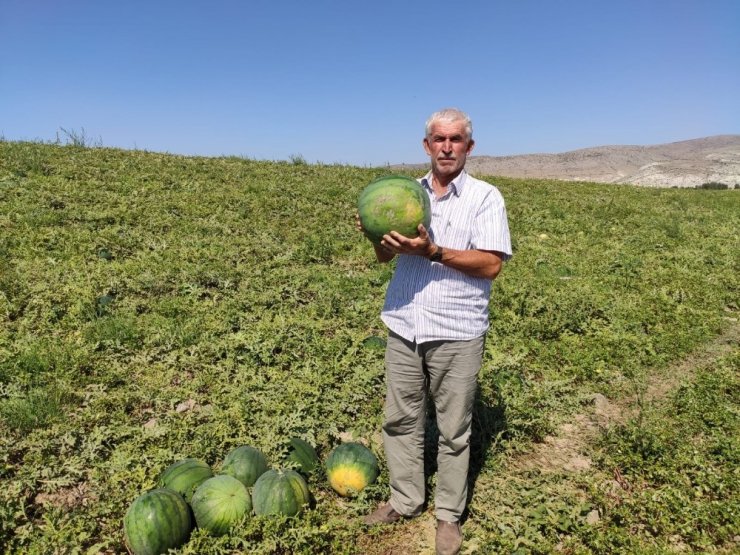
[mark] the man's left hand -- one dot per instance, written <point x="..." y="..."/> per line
<point x="400" y="244"/>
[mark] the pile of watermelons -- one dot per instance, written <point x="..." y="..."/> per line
<point x="188" y="494"/>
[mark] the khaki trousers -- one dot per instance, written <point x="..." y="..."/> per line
<point x="448" y="371"/>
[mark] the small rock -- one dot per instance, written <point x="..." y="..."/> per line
<point x="376" y="440"/>
<point x="599" y="400"/>
<point x="151" y="423"/>
<point x="185" y="406"/>
<point x="351" y="436"/>
<point x="346" y="437"/>
<point x="593" y="517"/>
<point x="568" y="428"/>
<point x="578" y="464"/>
<point x="613" y="488"/>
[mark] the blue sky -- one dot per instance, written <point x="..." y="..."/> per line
<point x="353" y="82"/>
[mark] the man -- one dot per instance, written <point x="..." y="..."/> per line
<point x="436" y="310"/>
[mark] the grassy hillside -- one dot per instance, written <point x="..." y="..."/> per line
<point x="154" y="307"/>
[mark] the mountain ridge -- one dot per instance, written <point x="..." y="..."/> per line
<point x="687" y="163"/>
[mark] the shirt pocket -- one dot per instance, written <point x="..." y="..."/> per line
<point x="455" y="237"/>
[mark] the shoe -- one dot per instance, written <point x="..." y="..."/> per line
<point x="449" y="538"/>
<point x="384" y="514"/>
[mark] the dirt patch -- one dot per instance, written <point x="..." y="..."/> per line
<point x="78" y="495"/>
<point x="659" y="387"/>
<point x="409" y="537"/>
<point x="565" y="451"/>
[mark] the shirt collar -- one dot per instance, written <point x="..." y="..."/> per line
<point x="456" y="184"/>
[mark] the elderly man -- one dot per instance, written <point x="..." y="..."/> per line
<point x="436" y="310"/>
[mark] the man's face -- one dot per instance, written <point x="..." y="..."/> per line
<point x="448" y="146"/>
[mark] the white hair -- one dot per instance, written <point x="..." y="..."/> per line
<point x="449" y="115"/>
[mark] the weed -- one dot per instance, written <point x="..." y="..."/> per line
<point x="78" y="138"/>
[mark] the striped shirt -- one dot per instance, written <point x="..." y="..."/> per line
<point x="428" y="301"/>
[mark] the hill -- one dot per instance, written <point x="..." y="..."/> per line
<point x="680" y="164"/>
<point x="155" y="307"/>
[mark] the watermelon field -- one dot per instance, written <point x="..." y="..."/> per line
<point x="156" y="307"/>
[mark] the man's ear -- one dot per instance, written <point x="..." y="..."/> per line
<point x="471" y="144"/>
<point x="428" y="150"/>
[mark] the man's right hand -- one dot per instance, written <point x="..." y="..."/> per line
<point x="418" y="246"/>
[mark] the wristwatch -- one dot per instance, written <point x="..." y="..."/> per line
<point x="437" y="254"/>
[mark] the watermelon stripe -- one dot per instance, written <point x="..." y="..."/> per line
<point x="303" y="454"/>
<point x="185" y="476"/>
<point x="220" y="502"/>
<point x="296" y="492"/>
<point x="156" y="521"/>
<point x="280" y="492"/>
<point x="245" y="463"/>
<point x="166" y="523"/>
<point x="300" y="492"/>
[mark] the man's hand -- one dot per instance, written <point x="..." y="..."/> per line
<point x="419" y="246"/>
<point x="382" y="253"/>
<point x="473" y="262"/>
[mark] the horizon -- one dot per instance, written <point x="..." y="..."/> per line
<point x="354" y="85"/>
<point x="78" y="138"/>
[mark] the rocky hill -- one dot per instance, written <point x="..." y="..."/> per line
<point x="681" y="164"/>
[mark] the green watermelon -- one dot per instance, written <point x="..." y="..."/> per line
<point x="219" y="503"/>
<point x="351" y="467"/>
<point x="393" y="203"/>
<point x="303" y="454"/>
<point x="185" y="476"/>
<point x="156" y="521"/>
<point x="280" y="492"/>
<point x="246" y="464"/>
<point x="374" y="342"/>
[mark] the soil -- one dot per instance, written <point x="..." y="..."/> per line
<point x="77" y="495"/>
<point x="564" y="451"/>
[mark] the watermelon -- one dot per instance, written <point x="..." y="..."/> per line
<point x="280" y="492"/>
<point x="185" y="476"/>
<point x="246" y="464"/>
<point x="393" y="203"/>
<point x="303" y="454"/>
<point x="351" y="467"/>
<point x="374" y="342"/>
<point x="219" y="503"/>
<point x="156" y="521"/>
